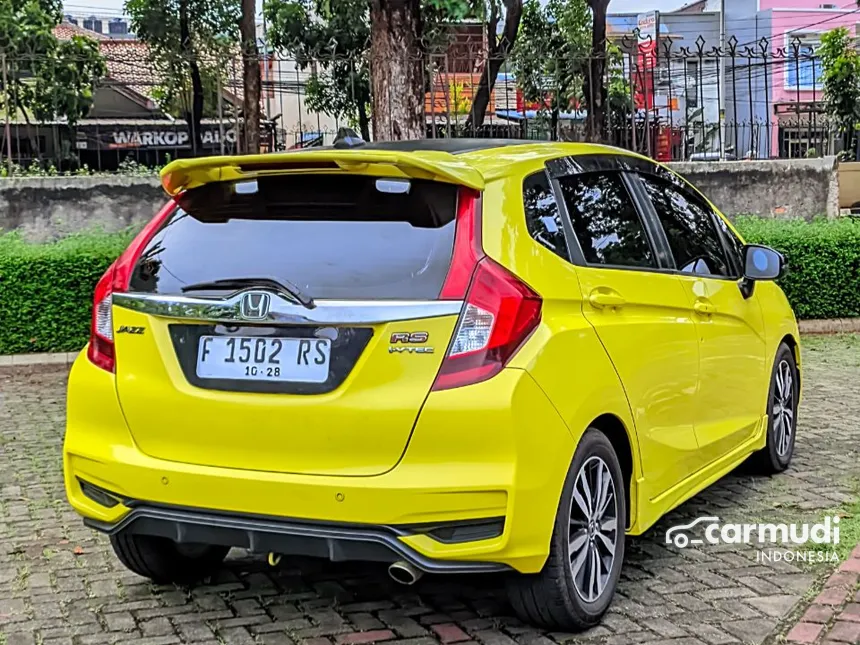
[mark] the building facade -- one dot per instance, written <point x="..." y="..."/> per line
<point x="776" y="96"/>
<point x="771" y="91"/>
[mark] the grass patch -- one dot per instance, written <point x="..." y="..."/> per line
<point x="849" y="529"/>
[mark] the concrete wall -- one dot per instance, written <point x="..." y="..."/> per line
<point x="46" y="208"/>
<point x="784" y="188"/>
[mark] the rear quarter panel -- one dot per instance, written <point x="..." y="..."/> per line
<point x="563" y="355"/>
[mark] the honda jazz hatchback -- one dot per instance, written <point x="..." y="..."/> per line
<point x="443" y="356"/>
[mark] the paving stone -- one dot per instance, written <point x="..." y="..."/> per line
<point x="754" y="630"/>
<point x="804" y="633"/>
<point x="851" y="612"/>
<point x="360" y="638"/>
<point x="364" y="621"/>
<point x="450" y="633"/>
<point x="120" y="621"/>
<point x="818" y="614"/>
<point x="20" y="638"/>
<point x="846" y="632"/>
<point x="832" y="596"/>
<point x="776" y="606"/>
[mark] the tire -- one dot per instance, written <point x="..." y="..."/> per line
<point x="164" y="561"/>
<point x="782" y="414"/>
<point x="555" y="598"/>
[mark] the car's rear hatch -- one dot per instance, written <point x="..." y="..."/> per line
<point x="241" y="374"/>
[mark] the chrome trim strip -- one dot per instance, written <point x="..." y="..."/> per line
<point x="282" y="311"/>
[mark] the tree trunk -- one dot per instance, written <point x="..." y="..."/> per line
<point x="363" y="121"/>
<point x="195" y="115"/>
<point x="497" y="53"/>
<point x="396" y="70"/>
<point x="595" y="86"/>
<point x="250" y="76"/>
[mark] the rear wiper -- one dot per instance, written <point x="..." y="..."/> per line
<point x="283" y="287"/>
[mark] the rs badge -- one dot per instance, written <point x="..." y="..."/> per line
<point x="401" y="343"/>
<point x="416" y="337"/>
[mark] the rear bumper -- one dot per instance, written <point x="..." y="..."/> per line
<point x="493" y="450"/>
<point x="337" y="542"/>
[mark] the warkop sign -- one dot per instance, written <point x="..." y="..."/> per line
<point x="147" y="137"/>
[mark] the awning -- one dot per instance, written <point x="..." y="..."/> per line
<point x="514" y="115"/>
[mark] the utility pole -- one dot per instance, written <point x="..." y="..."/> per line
<point x="7" y="110"/>
<point x="722" y="81"/>
<point x="221" y="108"/>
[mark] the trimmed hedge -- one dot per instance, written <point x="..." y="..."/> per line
<point x="46" y="290"/>
<point x="823" y="277"/>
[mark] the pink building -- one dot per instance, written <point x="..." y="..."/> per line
<point x="785" y="102"/>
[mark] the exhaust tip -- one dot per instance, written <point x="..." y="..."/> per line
<point x="404" y="573"/>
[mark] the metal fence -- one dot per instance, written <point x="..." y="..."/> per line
<point x="665" y="100"/>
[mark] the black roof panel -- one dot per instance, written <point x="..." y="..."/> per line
<point x="453" y="146"/>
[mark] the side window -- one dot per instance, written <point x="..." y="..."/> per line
<point x="542" y="216"/>
<point x="689" y="228"/>
<point x="605" y="220"/>
<point x="735" y="248"/>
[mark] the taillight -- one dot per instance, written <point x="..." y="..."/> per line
<point x="101" y="349"/>
<point x="499" y="313"/>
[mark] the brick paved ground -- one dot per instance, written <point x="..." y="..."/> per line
<point x="61" y="585"/>
<point x="834" y="615"/>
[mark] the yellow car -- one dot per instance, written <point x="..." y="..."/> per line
<point x="445" y="356"/>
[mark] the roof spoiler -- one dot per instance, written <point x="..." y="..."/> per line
<point x="185" y="174"/>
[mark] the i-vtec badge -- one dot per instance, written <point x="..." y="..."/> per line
<point x="410" y="350"/>
<point x="401" y="341"/>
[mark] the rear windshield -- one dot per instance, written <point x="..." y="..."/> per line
<point x="334" y="236"/>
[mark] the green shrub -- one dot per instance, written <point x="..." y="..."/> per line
<point x="823" y="278"/>
<point x="46" y="290"/>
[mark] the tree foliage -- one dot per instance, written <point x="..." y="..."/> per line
<point x="47" y="78"/>
<point x="551" y="55"/>
<point x="190" y="43"/>
<point x="841" y="80"/>
<point x="332" y="38"/>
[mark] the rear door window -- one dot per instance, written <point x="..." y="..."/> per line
<point x="542" y="215"/>
<point x="334" y="236"/>
<point x="605" y="221"/>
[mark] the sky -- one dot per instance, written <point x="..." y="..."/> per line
<point x="114" y="7"/>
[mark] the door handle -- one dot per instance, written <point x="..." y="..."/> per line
<point x="602" y="299"/>
<point x="704" y="307"/>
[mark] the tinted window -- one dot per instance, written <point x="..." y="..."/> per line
<point x="335" y="237"/>
<point x="605" y="220"/>
<point x="689" y="228"/>
<point x="735" y="248"/>
<point x="542" y="216"/>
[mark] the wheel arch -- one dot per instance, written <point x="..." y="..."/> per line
<point x="794" y="346"/>
<point x="614" y="429"/>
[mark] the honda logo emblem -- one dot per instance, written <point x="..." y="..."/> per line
<point x="255" y="305"/>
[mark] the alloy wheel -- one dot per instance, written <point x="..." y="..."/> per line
<point x="783" y="408"/>
<point x="593" y="529"/>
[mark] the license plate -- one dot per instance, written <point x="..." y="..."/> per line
<point x="302" y="360"/>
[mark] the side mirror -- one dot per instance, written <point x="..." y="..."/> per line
<point x="760" y="263"/>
